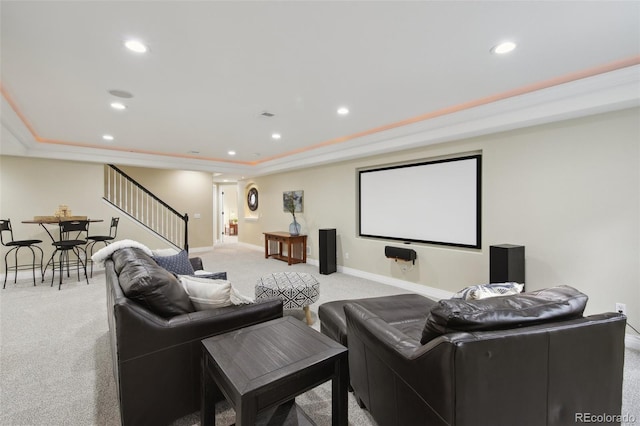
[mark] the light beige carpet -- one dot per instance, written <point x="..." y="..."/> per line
<point x="55" y="364"/>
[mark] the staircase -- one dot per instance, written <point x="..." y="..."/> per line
<point x="141" y="205"/>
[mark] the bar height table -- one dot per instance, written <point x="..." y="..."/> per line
<point x="56" y="220"/>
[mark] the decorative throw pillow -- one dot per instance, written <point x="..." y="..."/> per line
<point x="209" y="294"/>
<point x="477" y="292"/>
<point x="499" y="313"/>
<point x="178" y="264"/>
<point x="155" y="288"/>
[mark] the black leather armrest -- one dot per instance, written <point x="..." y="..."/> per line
<point x="196" y="263"/>
<point x="378" y="352"/>
<point x="374" y="329"/>
<point x="159" y="333"/>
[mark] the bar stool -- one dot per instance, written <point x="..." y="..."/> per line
<point x="113" y="231"/>
<point x="15" y="246"/>
<point x="71" y="239"/>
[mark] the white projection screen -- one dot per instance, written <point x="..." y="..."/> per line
<point x="435" y="202"/>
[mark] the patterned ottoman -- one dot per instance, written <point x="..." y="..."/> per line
<point x="296" y="289"/>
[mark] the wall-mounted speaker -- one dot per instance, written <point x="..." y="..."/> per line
<point x="506" y="263"/>
<point x="400" y="253"/>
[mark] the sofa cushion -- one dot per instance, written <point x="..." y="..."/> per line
<point x="484" y="291"/>
<point x="497" y="313"/>
<point x="144" y="281"/>
<point x="407" y="312"/>
<point x="177" y="263"/>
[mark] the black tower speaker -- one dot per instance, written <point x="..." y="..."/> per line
<point x="506" y="263"/>
<point x="328" y="261"/>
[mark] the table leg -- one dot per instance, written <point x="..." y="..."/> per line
<point x="54" y="264"/>
<point x="47" y="231"/>
<point x="307" y="313"/>
<point x="246" y="412"/>
<point x="289" y="251"/>
<point x="266" y="247"/>
<point x="209" y="394"/>
<point x="339" y="402"/>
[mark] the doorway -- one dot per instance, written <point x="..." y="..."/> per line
<point x="227" y="228"/>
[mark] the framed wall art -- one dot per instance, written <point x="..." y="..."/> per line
<point x="293" y="201"/>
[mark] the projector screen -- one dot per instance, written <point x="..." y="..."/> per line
<point x="435" y="202"/>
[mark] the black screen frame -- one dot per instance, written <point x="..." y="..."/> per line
<point x="478" y="202"/>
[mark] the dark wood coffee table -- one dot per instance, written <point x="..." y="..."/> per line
<point x="263" y="366"/>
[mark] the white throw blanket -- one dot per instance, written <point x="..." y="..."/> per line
<point x="105" y="253"/>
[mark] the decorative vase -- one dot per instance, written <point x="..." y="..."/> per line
<point x="294" y="228"/>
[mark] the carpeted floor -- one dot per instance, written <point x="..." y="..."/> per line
<point x="55" y="365"/>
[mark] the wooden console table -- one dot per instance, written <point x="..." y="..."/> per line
<point x="296" y="247"/>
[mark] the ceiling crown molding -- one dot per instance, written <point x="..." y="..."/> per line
<point x="609" y="91"/>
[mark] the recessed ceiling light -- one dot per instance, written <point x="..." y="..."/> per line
<point x="343" y="110"/>
<point x="118" y="105"/>
<point x="120" y="94"/>
<point x="136" y="46"/>
<point x="231" y="153"/>
<point x="503" y="48"/>
<point x="276" y="136"/>
<point x="107" y="137"/>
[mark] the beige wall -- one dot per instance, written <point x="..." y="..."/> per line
<point x="187" y="192"/>
<point x="569" y="192"/>
<point x="35" y="187"/>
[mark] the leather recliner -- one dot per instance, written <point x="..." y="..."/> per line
<point x="514" y="360"/>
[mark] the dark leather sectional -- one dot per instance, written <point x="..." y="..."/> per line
<point x="155" y="340"/>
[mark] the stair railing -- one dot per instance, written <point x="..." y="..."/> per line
<point x="143" y="206"/>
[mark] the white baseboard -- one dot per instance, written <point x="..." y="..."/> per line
<point x="405" y="285"/>
<point x="431" y="292"/>
<point x="631" y="341"/>
<point x="193" y="250"/>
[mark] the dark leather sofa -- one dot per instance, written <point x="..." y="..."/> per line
<point x="528" y="359"/>
<point x="155" y="338"/>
